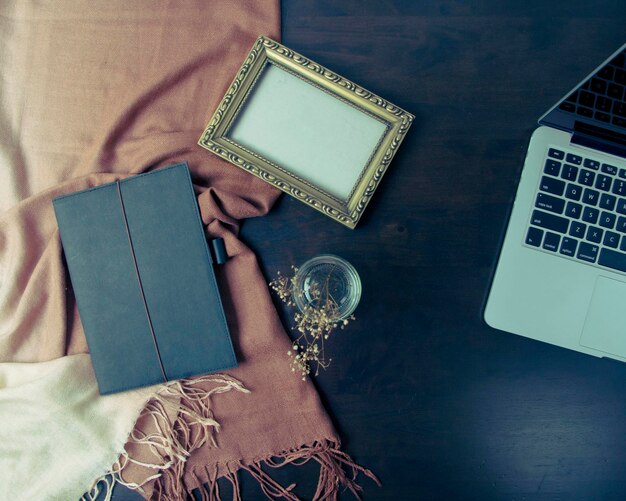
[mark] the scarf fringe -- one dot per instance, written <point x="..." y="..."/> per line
<point x="337" y="470"/>
<point x="172" y="442"/>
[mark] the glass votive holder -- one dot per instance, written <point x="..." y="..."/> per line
<point x="327" y="282"/>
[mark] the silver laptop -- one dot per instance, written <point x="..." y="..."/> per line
<point x="561" y="275"/>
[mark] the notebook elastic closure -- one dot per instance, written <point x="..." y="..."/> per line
<point x="218" y="251"/>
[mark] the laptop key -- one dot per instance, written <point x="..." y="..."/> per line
<point x="590" y="215"/>
<point x="552" y="167"/>
<point x="621" y="224"/>
<point x="622" y="245"/>
<point x="550" y="203"/>
<point x="534" y="236"/>
<point x="611" y="239"/>
<point x="621" y="206"/>
<point x="606" y="73"/>
<point x="549" y="221"/>
<point x="568" y="246"/>
<point x="614" y="91"/>
<point x="603" y="117"/>
<point x="565" y="106"/>
<point x="591" y="164"/>
<point x="569" y="172"/>
<point x="573" y="210"/>
<point x="612" y="259"/>
<point x="594" y="234"/>
<point x="586" y="99"/>
<point x="554" y="153"/>
<point x="574" y="159"/>
<point x="577" y="229"/>
<point x="585" y="112"/>
<point x="551" y="241"/>
<point x="598" y="86"/>
<point x="619" y="187"/>
<point x="551" y="185"/>
<point x="622" y="173"/>
<point x="573" y="191"/>
<point x="609" y="169"/>
<point x="607" y="220"/>
<point x="604" y="104"/>
<point x="590" y="197"/>
<point x="586" y="177"/>
<point x="607" y="202"/>
<point x="587" y="252"/>
<point x="603" y="182"/>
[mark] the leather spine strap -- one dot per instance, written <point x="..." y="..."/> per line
<point x="143" y="296"/>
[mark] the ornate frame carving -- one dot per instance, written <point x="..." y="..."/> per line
<point x="266" y="51"/>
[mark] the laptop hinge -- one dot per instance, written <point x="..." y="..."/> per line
<point x="599" y="138"/>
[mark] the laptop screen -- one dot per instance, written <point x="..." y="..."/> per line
<point x="596" y="106"/>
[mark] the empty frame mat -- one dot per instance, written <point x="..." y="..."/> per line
<point x="306" y="131"/>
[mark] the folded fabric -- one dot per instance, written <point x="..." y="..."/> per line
<point x="280" y="422"/>
<point x="57" y="434"/>
<point x="91" y="92"/>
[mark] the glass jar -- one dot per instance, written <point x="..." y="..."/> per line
<point x="328" y="281"/>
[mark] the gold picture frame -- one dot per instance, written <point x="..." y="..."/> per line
<point x="306" y="130"/>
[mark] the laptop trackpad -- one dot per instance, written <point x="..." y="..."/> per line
<point x="605" y="326"/>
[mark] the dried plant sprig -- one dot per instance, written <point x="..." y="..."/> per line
<point x="313" y="326"/>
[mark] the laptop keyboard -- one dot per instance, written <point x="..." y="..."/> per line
<point x="602" y="97"/>
<point x="580" y="210"/>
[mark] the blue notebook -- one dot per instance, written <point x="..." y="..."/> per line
<point x="144" y="281"/>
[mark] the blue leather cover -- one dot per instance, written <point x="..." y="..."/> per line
<point x="144" y="281"/>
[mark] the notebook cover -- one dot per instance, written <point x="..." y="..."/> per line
<point x="144" y="281"/>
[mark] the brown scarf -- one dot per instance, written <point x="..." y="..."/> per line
<point x="94" y="92"/>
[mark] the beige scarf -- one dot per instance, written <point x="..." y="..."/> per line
<point x="91" y="92"/>
<point x="56" y="434"/>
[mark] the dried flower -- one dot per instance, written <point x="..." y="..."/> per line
<point x="312" y="326"/>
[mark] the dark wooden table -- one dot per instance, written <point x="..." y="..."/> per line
<point x="439" y="405"/>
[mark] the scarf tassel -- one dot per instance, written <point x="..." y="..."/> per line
<point x="337" y="470"/>
<point x="171" y="442"/>
<point x="194" y="427"/>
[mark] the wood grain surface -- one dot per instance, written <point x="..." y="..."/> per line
<point x="437" y="404"/>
